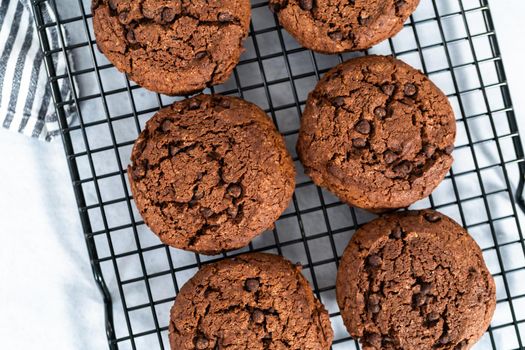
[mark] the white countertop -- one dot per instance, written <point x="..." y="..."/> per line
<point x="48" y="299"/>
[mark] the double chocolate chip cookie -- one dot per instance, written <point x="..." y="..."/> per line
<point x="254" y="301"/>
<point x="337" y="26"/>
<point x="415" y="280"/>
<point x="210" y="173"/>
<point x="377" y="133"/>
<point x="172" y="47"/>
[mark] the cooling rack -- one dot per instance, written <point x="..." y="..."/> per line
<point x="452" y="41"/>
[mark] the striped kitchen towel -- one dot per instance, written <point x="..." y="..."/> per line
<point x="25" y="101"/>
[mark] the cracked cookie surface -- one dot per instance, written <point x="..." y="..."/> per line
<point x="415" y="280"/>
<point x="172" y="47"/>
<point x="335" y="26"/>
<point x="255" y="301"/>
<point x="377" y="133"/>
<point x="210" y="173"/>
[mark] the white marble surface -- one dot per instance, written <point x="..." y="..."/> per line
<point x="48" y="299"/>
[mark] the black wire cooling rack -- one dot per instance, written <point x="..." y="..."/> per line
<point x="452" y="41"/>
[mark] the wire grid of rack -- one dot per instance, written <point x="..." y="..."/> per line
<point x="452" y="41"/>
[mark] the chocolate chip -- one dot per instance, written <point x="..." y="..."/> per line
<point x="167" y="15"/>
<point x="444" y="339"/>
<point x="138" y="173"/>
<point x="267" y="341"/>
<point x="168" y="192"/>
<point x="425" y="287"/>
<point x="364" y="20"/>
<point x="461" y="345"/>
<point x="234" y="190"/>
<point x="374" y="260"/>
<point x="336" y="74"/>
<point x="433" y="317"/>
<point x="130" y="36"/>
<point x="359" y="142"/>
<point x="339" y="101"/>
<point x="400" y="3"/>
<point x="363" y="127"/>
<point x="123" y="17"/>
<point x="373" y="303"/>
<point x="407" y="101"/>
<point x="397" y="233"/>
<point x="374" y="308"/>
<point x="420" y="300"/>
<point x="232" y="212"/>
<point x="410" y="89"/>
<point x="198" y="195"/>
<point x="206" y="212"/>
<point x="258" y="316"/>
<point x="201" y="343"/>
<point x="387" y="340"/>
<point x="336" y="36"/>
<point x="213" y="156"/>
<point x="306" y="5"/>
<point x="388" y="89"/>
<point x="194" y="104"/>
<point x="432" y="217"/>
<point x="372" y="339"/>
<point x="397" y="147"/>
<point x="252" y="284"/>
<point x="278" y="5"/>
<point x="112" y="4"/>
<point x="165" y="126"/>
<point x="225" y="103"/>
<point x="449" y="149"/>
<point x="403" y="169"/>
<point x="390" y="157"/>
<point x="225" y="17"/>
<point x="200" y="54"/>
<point x="373" y="299"/>
<point x="139" y="170"/>
<point x="174" y="150"/>
<point x="380" y="112"/>
<point x="429" y="150"/>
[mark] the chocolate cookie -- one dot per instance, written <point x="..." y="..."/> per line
<point x="172" y="47"/>
<point x="377" y="133"/>
<point x="415" y="280"/>
<point x="252" y="302"/>
<point x="337" y="26"/>
<point x="210" y="173"/>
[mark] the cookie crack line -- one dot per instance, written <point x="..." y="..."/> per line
<point x="206" y="226"/>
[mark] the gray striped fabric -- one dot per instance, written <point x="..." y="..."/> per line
<point x="25" y="97"/>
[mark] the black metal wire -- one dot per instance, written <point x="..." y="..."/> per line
<point x="174" y="269"/>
